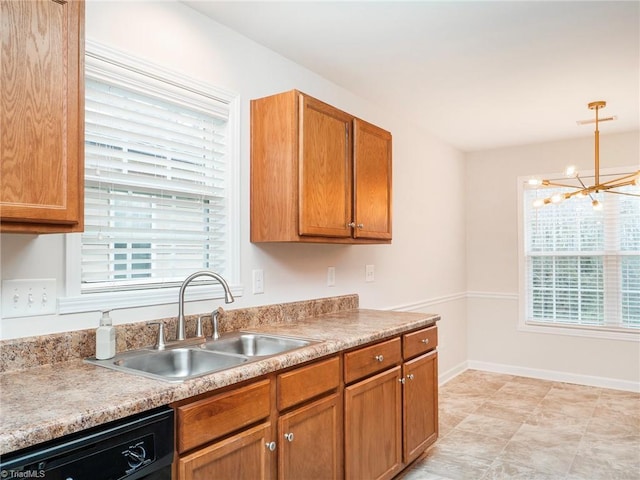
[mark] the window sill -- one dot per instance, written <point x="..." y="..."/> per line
<point x="581" y="331"/>
<point x="91" y="302"/>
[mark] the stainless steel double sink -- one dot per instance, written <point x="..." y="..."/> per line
<point x="183" y="362"/>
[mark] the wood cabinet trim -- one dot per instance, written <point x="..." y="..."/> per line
<point x="43" y="172"/>
<point x="325" y="175"/>
<point x="418" y="342"/>
<point x="372" y="192"/>
<point x="420" y="405"/>
<point x="205" y="420"/>
<point x="374" y="358"/>
<point x="255" y="438"/>
<point x="304" y="383"/>
<point x="363" y="421"/>
<point x="323" y="455"/>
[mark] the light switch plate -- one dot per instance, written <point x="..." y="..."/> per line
<point x="331" y="276"/>
<point x="258" y="281"/>
<point x="370" y="273"/>
<point x="29" y="297"/>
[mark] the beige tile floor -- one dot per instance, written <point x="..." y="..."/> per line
<point x="495" y="426"/>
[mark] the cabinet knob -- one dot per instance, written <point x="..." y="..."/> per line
<point x="425" y="341"/>
<point x="379" y="358"/>
<point x="402" y="380"/>
<point x="351" y="224"/>
<point x="289" y="436"/>
<point x="271" y="446"/>
<point x="361" y="225"/>
<point x="410" y="376"/>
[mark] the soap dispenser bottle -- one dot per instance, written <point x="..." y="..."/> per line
<point x="105" y="338"/>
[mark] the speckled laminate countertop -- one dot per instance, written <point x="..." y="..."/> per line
<point x="46" y="402"/>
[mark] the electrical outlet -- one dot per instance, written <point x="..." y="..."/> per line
<point x="258" y="281"/>
<point x="331" y="276"/>
<point x="30" y="297"/>
<point x="370" y="273"/>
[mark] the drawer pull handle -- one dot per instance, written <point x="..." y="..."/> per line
<point x="425" y="341"/>
<point x="271" y="446"/>
<point x="379" y="358"/>
<point x="289" y="437"/>
<point x="410" y="376"/>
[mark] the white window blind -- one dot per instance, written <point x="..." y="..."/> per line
<point x="156" y="180"/>
<point x="582" y="266"/>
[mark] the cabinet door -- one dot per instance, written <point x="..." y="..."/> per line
<point x="373" y="427"/>
<point x="420" y="404"/>
<point x="325" y="177"/>
<point x="244" y="456"/>
<point x="372" y="173"/>
<point x="309" y="438"/>
<point x="42" y="116"/>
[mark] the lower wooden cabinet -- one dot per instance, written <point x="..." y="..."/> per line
<point x="373" y="426"/>
<point x="365" y="414"/>
<point x="309" y="438"/>
<point x="244" y="456"/>
<point x="390" y="417"/>
<point x="420" y="404"/>
<point x="286" y="426"/>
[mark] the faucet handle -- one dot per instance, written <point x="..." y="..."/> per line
<point x="160" y="342"/>
<point x="214" y="321"/>
<point x="199" y="326"/>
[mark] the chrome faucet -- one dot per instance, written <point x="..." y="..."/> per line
<point x="228" y="298"/>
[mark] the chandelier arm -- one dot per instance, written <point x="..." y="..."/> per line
<point x="581" y="182"/>
<point x="605" y="188"/>
<point x="554" y="184"/>
<point x="623" y="193"/>
<point x="624" y="177"/>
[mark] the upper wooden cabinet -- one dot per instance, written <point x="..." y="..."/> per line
<point x="318" y="174"/>
<point x="42" y="116"/>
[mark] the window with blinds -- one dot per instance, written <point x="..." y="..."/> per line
<point x="582" y="266"/>
<point x="156" y="179"/>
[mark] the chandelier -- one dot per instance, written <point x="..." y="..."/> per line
<point x="579" y="188"/>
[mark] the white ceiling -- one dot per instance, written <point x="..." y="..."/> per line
<point x="477" y="74"/>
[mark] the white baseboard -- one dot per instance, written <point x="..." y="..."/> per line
<point x="555" y="376"/>
<point x="452" y="373"/>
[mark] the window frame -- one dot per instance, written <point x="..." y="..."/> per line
<point x="74" y="300"/>
<point x="527" y="325"/>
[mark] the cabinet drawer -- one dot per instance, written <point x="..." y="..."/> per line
<point x="204" y="420"/>
<point x="418" y="342"/>
<point x="368" y="360"/>
<point x="307" y="382"/>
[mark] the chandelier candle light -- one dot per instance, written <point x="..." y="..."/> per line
<point x="581" y="189"/>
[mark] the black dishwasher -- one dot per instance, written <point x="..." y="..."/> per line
<point x="136" y="447"/>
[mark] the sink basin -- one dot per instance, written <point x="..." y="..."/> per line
<point x="181" y="362"/>
<point x="173" y="365"/>
<point x="255" y="344"/>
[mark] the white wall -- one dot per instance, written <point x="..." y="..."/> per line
<point x="423" y="269"/>
<point x="492" y="268"/>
